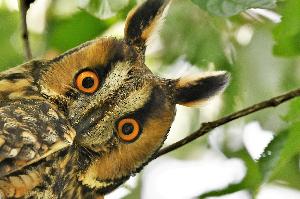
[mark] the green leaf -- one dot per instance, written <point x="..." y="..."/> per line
<point x="290" y="174"/>
<point x="10" y="39"/>
<point x="292" y="146"/>
<point x="68" y="32"/>
<point x="272" y="154"/>
<point x="232" y="7"/>
<point x="294" y="111"/>
<point x="103" y="9"/>
<point x="201" y="44"/>
<point x="287" y="33"/>
<point x="290" y="149"/>
<point x="283" y="147"/>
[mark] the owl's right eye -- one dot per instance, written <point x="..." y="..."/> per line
<point x="128" y="129"/>
<point x="87" y="81"/>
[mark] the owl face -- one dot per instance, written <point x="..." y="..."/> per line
<point x="114" y="102"/>
<point x="99" y="95"/>
<point x="121" y="112"/>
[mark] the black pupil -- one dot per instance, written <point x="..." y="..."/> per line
<point x="88" y="82"/>
<point x="127" y="129"/>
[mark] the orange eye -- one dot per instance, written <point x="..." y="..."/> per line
<point x="128" y="129"/>
<point x="87" y="81"/>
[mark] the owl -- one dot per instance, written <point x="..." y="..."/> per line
<point x="79" y="125"/>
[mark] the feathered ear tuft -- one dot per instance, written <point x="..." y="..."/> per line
<point x="193" y="90"/>
<point x="142" y="20"/>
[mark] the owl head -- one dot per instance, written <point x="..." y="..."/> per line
<point x="120" y="110"/>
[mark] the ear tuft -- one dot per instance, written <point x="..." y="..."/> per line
<point x="193" y="90"/>
<point x="142" y="20"/>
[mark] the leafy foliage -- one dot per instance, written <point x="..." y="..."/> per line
<point x="287" y="34"/>
<point x="291" y="147"/>
<point x="103" y="9"/>
<point x="9" y="38"/>
<point x="232" y="7"/>
<point x="205" y="36"/>
<point x="66" y="33"/>
<point x="272" y="155"/>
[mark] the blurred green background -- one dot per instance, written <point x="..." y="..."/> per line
<point x="259" y="47"/>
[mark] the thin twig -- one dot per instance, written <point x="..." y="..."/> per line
<point x="207" y="127"/>
<point x="24" y="5"/>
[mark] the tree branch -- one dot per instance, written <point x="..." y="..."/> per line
<point x="24" y="6"/>
<point x="207" y="127"/>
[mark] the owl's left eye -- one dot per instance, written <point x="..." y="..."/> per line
<point x="128" y="129"/>
<point x="87" y="81"/>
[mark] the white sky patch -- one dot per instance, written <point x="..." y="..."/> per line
<point x="216" y="139"/>
<point x="244" y="35"/>
<point x="234" y="134"/>
<point x="12" y="5"/>
<point x="116" y="30"/>
<point x="179" y="68"/>
<point x="123" y="190"/>
<point x="154" y="44"/>
<point x="210" y="109"/>
<point x="36" y="19"/>
<point x="181" y="126"/>
<point x="118" y="193"/>
<point x="167" y="178"/>
<point x="256" y="139"/>
<point x="277" y="192"/>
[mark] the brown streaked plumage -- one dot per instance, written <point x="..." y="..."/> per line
<point x="65" y="137"/>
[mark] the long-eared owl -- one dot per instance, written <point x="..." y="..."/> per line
<point x="81" y="124"/>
